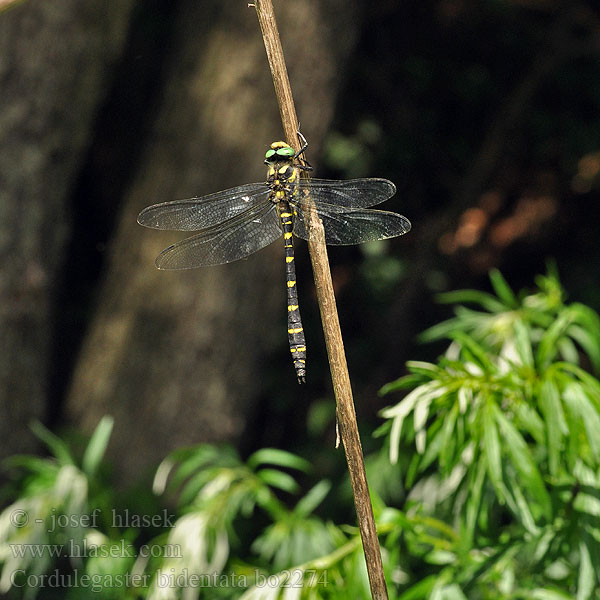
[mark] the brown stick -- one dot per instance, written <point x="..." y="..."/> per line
<point x="4" y="4"/>
<point x="331" y="325"/>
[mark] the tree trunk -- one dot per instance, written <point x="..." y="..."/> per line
<point x="178" y="357"/>
<point x="55" y="59"/>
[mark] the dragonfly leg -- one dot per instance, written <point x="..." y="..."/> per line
<point x="303" y="142"/>
<point x="304" y="164"/>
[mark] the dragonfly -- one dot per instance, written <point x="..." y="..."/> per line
<point x="234" y="223"/>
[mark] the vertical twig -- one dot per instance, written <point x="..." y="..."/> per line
<point x="329" y="317"/>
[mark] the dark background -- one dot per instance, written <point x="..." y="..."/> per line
<point x="485" y="115"/>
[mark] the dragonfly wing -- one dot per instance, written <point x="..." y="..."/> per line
<point x="345" y="226"/>
<point x="353" y="193"/>
<point x="195" y="214"/>
<point x="244" y="235"/>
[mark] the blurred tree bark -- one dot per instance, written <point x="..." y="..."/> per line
<point x="178" y="357"/>
<point x="55" y="60"/>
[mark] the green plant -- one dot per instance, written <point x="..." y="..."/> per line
<point x="52" y="519"/>
<point x="216" y="491"/>
<point x="506" y="428"/>
<point x="490" y="462"/>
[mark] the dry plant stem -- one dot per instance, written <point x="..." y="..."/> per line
<point x="8" y="3"/>
<point x="329" y="317"/>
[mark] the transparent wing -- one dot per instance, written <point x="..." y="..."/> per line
<point x="243" y="235"/>
<point x="194" y="214"/>
<point x="345" y="226"/>
<point x="355" y="193"/>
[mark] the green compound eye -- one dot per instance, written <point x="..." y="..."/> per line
<point x="269" y="154"/>
<point x="286" y="152"/>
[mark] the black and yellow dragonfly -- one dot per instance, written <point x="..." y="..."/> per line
<point x="234" y="223"/>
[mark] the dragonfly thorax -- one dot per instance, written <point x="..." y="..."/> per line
<point x="282" y="179"/>
<point x="283" y="173"/>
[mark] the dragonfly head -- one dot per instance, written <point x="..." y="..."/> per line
<point x="279" y="152"/>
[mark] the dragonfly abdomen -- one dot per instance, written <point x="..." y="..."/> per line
<point x="295" y="330"/>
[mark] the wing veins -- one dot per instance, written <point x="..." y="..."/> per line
<point x="350" y="193"/>
<point x="348" y="225"/>
<point x="196" y="214"/>
<point x="218" y="236"/>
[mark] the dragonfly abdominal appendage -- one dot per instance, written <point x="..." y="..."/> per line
<point x="237" y="222"/>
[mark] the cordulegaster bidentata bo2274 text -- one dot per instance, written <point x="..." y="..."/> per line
<point x="234" y="223"/>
